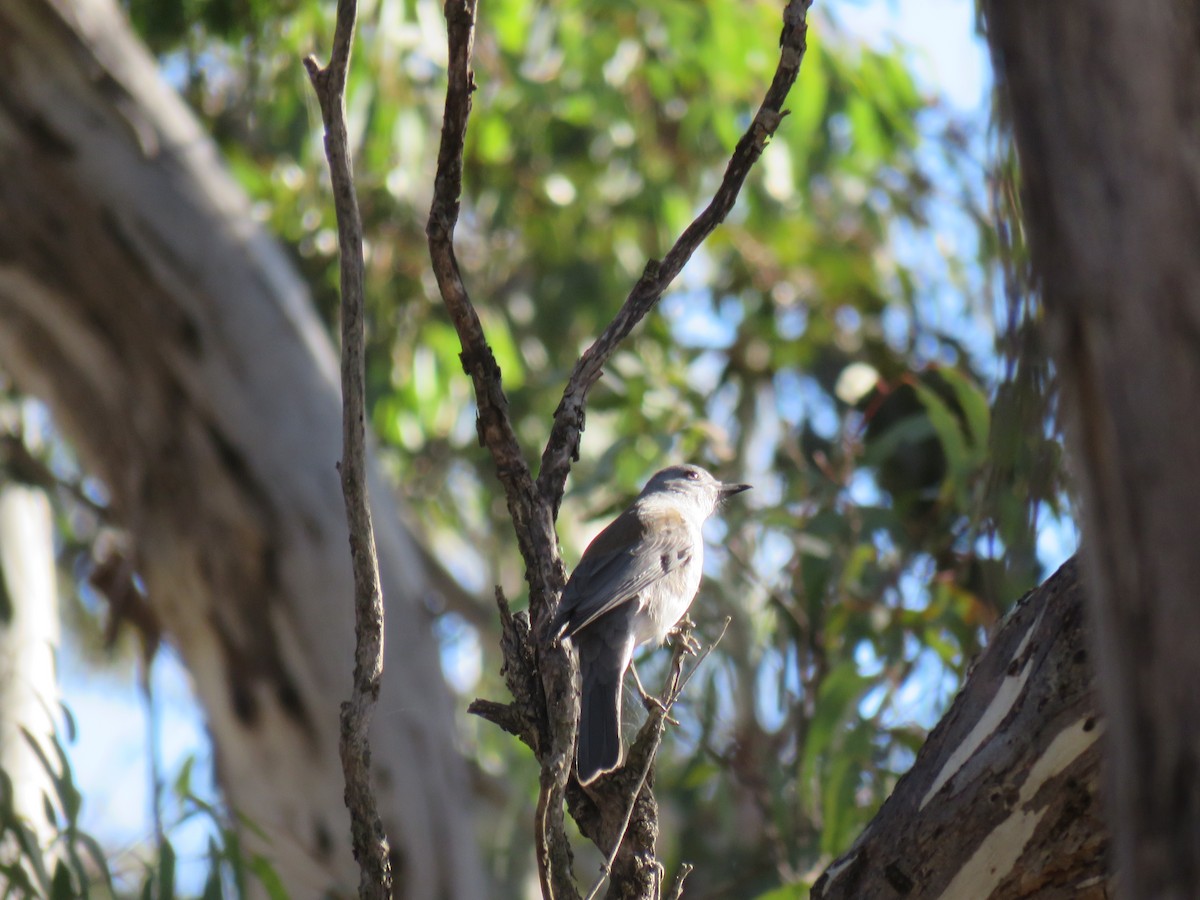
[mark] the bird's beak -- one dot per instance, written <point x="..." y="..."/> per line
<point x="728" y="490"/>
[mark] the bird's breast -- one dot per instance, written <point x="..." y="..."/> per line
<point x="666" y="601"/>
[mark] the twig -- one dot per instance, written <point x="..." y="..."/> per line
<point x="366" y="830"/>
<point x="676" y="891"/>
<point x="658" y="715"/>
<point x="563" y="445"/>
<point x="21" y="463"/>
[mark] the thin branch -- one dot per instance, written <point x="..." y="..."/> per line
<point x="23" y="465"/>
<point x="658" y="717"/>
<point x="366" y="830"/>
<point x="495" y="428"/>
<point x="533" y="519"/>
<point x="562" y="448"/>
<point x="676" y="891"/>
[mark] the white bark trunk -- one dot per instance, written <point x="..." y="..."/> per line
<point x="28" y="648"/>
<point x="1002" y="802"/>
<point x="179" y="353"/>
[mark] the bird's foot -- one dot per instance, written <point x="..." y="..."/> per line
<point x="682" y="636"/>
<point x="649" y="701"/>
<point x="654" y="705"/>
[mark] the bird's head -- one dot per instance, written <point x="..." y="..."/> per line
<point x="691" y="487"/>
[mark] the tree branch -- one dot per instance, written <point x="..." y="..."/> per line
<point x="496" y="433"/>
<point x="533" y="520"/>
<point x="1109" y="187"/>
<point x="537" y="668"/>
<point x="562" y="448"/>
<point x="640" y="760"/>
<point x="367" y="834"/>
<point x="1002" y="801"/>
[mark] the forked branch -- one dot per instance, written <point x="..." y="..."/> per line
<point x="545" y="708"/>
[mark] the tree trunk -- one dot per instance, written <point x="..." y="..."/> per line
<point x="1105" y="103"/>
<point x="180" y="355"/>
<point x="29" y="697"/>
<point x="1002" y="799"/>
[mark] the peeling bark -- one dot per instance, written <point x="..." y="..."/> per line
<point x="179" y="353"/>
<point x="1002" y="801"/>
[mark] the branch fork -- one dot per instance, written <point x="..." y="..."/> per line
<point x="538" y="669"/>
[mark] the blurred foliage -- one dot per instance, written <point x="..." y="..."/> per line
<point x="72" y="865"/>
<point x="833" y="343"/>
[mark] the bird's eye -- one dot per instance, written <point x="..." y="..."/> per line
<point x="693" y="474"/>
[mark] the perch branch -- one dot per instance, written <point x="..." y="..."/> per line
<point x="534" y="506"/>
<point x="652" y="733"/>
<point x="367" y="834"/>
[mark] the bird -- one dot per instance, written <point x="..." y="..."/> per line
<point x="632" y="586"/>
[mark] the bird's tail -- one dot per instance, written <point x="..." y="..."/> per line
<point x="599" y="747"/>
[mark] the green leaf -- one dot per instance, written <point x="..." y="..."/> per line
<point x="974" y="404"/>
<point x="62" y="887"/>
<point x="786" y="892"/>
<point x="98" y="857"/>
<point x="16" y="880"/>
<point x="182" y="788"/>
<point x="166" y="871"/>
<point x="948" y="429"/>
<point x="212" y="882"/>
<point x="809" y="104"/>
<point x="7" y="812"/>
<point x="870" y="144"/>
<point x="840" y="815"/>
<point x="268" y="878"/>
<point x="69" y="723"/>
<point x="839" y="694"/>
<point x="31" y="851"/>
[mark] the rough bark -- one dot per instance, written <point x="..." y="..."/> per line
<point x="367" y="836"/>
<point x="1002" y="801"/>
<point x="179" y="353"/>
<point x="1105" y="106"/>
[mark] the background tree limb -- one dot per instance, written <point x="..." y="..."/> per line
<point x="1003" y="798"/>
<point x="180" y="355"/>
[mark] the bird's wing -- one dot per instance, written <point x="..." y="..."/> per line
<point x="615" y="568"/>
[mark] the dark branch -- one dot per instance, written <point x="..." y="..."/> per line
<point x="563" y="446"/>
<point x="495" y="429"/>
<point x="532" y="519"/>
<point x="537" y="669"/>
<point x="619" y="812"/>
<point x="366" y="829"/>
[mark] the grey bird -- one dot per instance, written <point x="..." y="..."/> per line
<point x="633" y="584"/>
